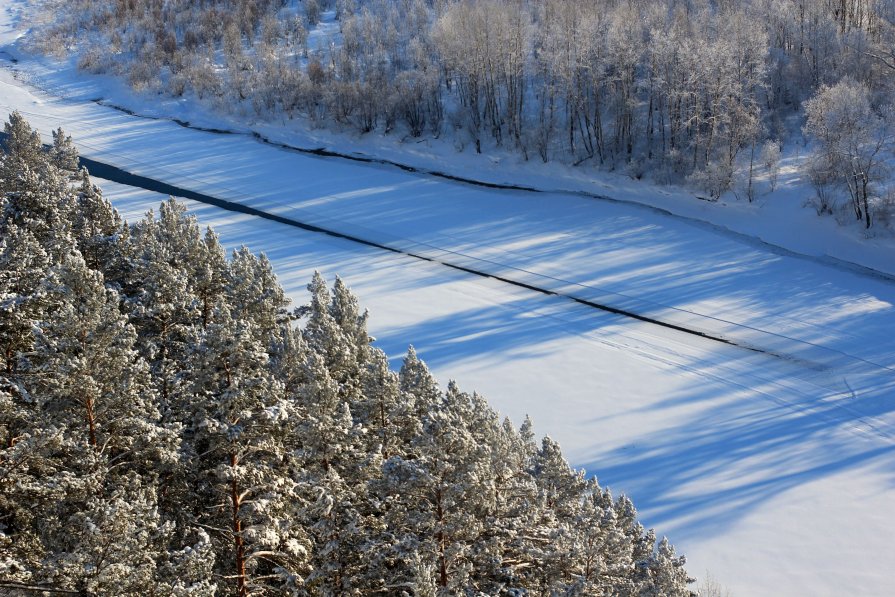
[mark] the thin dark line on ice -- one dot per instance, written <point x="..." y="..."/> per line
<point x="116" y="174"/>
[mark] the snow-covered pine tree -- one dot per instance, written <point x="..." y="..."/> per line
<point x="337" y="332"/>
<point x="419" y="395"/>
<point x="22" y="146"/>
<point x="337" y="467"/>
<point x="353" y="323"/>
<point x="165" y="261"/>
<point x="63" y="153"/>
<point x="559" y="493"/>
<point x="336" y="438"/>
<point x="666" y="574"/>
<point x="602" y="548"/>
<point x="507" y="500"/>
<point x="328" y="435"/>
<point x="36" y="196"/>
<point x="380" y="407"/>
<point x="253" y="291"/>
<point x="241" y="432"/>
<point x="97" y="228"/>
<point x="111" y="540"/>
<point x="91" y="396"/>
<point x="440" y="491"/>
<point x="23" y="264"/>
<point x="341" y="524"/>
<point x="33" y="237"/>
<point x="87" y="371"/>
<point x="511" y="527"/>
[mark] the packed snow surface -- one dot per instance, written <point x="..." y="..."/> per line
<point x="769" y="464"/>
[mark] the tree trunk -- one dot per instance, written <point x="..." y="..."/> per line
<point x="866" y="204"/>
<point x="91" y="421"/>
<point x="442" y="563"/>
<point x="384" y="431"/>
<point x="749" y="192"/>
<point x="241" y="589"/>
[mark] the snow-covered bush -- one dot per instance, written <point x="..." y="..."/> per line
<point x="851" y="139"/>
<point x="770" y="159"/>
<point x="714" y="179"/>
<point x="883" y="209"/>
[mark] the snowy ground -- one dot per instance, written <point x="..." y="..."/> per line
<point x="773" y="471"/>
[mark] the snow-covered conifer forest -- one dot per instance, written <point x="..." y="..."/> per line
<point x="696" y="92"/>
<point x="171" y="425"/>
